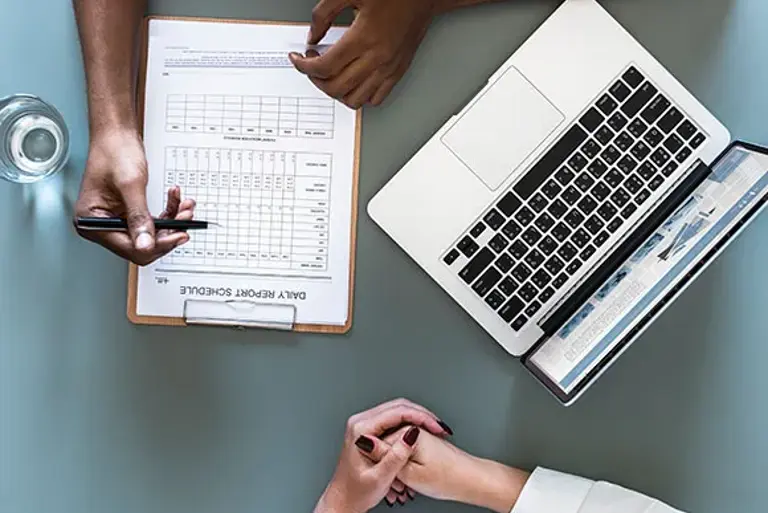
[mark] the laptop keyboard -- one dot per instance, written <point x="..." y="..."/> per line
<point x="605" y="166"/>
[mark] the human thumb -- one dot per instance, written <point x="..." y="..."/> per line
<point x="141" y="227"/>
<point x="398" y="455"/>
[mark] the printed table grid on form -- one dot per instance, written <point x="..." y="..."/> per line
<point x="273" y="208"/>
<point x="269" y="116"/>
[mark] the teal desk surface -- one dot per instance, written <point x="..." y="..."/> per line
<point x="98" y="415"/>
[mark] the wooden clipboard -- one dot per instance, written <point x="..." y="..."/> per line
<point x="133" y="271"/>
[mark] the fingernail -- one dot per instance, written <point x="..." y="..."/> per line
<point x="445" y="427"/>
<point x="294" y="55"/>
<point x="411" y="436"/>
<point x="364" y="443"/>
<point x="390" y="504"/>
<point x="144" y="241"/>
<point x="411" y="494"/>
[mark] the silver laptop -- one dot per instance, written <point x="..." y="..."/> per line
<point x="554" y="204"/>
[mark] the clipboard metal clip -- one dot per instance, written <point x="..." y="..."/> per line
<point x="239" y="314"/>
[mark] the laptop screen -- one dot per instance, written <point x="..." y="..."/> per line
<point x="735" y="189"/>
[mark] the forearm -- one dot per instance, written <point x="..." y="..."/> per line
<point x="493" y="486"/>
<point x="442" y="6"/>
<point x="108" y="32"/>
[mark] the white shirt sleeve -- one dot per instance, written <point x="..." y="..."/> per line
<point x="548" y="491"/>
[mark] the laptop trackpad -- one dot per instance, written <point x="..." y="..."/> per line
<point x="508" y="122"/>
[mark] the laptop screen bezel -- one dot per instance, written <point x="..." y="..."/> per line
<point x="607" y="360"/>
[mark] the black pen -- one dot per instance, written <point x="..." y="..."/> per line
<point x="116" y="224"/>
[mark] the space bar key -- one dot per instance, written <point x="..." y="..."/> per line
<point x="550" y="162"/>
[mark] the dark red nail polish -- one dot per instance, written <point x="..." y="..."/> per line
<point x="411" y="436"/>
<point x="445" y="427"/>
<point x="364" y="443"/>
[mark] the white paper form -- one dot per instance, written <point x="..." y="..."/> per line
<point x="265" y="154"/>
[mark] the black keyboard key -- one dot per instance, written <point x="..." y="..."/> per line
<point x="624" y="141"/>
<point x="628" y="211"/>
<point x="544" y="222"/>
<point x="531" y="236"/>
<point x="538" y="203"/>
<point x="601" y="239"/>
<point x="472" y="270"/>
<point x="511" y="309"/>
<point x="551" y="189"/>
<point x="683" y="155"/>
<point x="698" y="140"/>
<point x="508" y="286"/>
<point x="554" y="265"/>
<point x="587" y="252"/>
<point x="518" y="323"/>
<point x="467" y="246"/>
<point x="633" y="77"/>
<point x="614" y="178"/>
<point x="594" y="225"/>
<point x="581" y="238"/>
<point x="611" y="155"/>
<point x="617" y="121"/>
<point x="577" y="162"/>
<point x="532" y="309"/>
<point x="600" y="191"/>
<point x="494" y="219"/>
<point x="637" y="128"/>
<point x="535" y="259"/>
<point x="673" y="143"/>
<point x="590" y="149"/>
<point x="521" y="272"/>
<point x="627" y="164"/>
<point x="574" y="218"/>
<point x="642" y="197"/>
<point x="541" y="279"/>
<point x="656" y="182"/>
<point x="518" y="249"/>
<point x="567" y="252"/>
<point x="498" y="243"/>
<point x="561" y="280"/>
<point x="495" y="299"/>
<point x="546" y="295"/>
<point x="606" y="104"/>
<point x="511" y="229"/>
<point x="653" y="137"/>
<point x="660" y="157"/>
<point x="451" y="256"/>
<point x="597" y="168"/>
<point x="478" y="230"/>
<point x="592" y="119"/>
<point x="671" y="119"/>
<point x="620" y="197"/>
<point x="551" y="162"/>
<point x="620" y="91"/>
<point x="561" y="232"/>
<point x="509" y="204"/>
<point x="670" y="168"/>
<point x="558" y="208"/>
<point x="607" y="211"/>
<point x="584" y="182"/>
<point x="574" y="266"/>
<point x="633" y="184"/>
<point x="486" y="282"/>
<point x="524" y="216"/>
<point x="655" y="109"/>
<point x="505" y="263"/>
<point x="646" y="171"/>
<point x="528" y="292"/>
<point x="615" y="225"/>
<point x="640" y="150"/>
<point x="565" y="175"/>
<point x="547" y="245"/>
<point x="587" y="205"/>
<point x="686" y="130"/>
<point x="639" y="99"/>
<point x="571" y="195"/>
<point x="604" y="135"/>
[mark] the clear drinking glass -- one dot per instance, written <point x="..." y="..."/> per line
<point x="34" y="140"/>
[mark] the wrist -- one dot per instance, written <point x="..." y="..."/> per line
<point x="333" y="501"/>
<point x="492" y="485"/>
